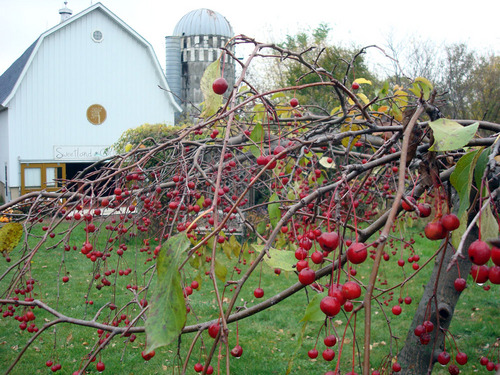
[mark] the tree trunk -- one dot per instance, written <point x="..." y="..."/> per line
<point x="437" y="305"/>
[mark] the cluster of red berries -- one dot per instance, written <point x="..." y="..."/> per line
<point x="490" y="365"/>
<point x="438" y="229"/>
<point x="328" y="354"/>
<point x="54" y="367"/>
<point x="480" y="254"/>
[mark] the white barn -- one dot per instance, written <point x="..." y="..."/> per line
<point x="70" y="96"/>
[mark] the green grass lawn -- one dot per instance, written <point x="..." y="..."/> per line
<point x="269" y="339"/>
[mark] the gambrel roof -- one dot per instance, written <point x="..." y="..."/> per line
<point x="12" y="77"/>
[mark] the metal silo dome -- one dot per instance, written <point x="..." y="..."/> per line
<point x="203" y="22"/>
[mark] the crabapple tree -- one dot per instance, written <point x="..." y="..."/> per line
<point x="263" y="180"/>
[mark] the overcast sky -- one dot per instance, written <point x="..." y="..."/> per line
<point x="362" y="22"/>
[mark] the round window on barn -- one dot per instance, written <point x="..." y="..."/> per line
<point x="97" y="36"/>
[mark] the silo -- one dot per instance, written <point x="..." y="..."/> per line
<point x="173" y="65"/>
<point x="201" y="33"/>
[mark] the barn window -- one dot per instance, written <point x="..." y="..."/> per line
<point x="97" y="36"/>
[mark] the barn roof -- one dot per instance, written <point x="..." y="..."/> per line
<point x="10" y="77"/>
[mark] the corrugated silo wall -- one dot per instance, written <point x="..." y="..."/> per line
<point x="198" y="52"/>
<point x="173" y="65"/>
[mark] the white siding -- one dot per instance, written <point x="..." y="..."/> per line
<point x="69" y="73"/>
<point x="4" y="145"/>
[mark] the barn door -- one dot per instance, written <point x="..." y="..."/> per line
<point x="42" y="176"/>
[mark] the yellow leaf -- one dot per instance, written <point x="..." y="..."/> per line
<point x="345" y="127"/>
<point x="212" y="101"/>
<point x="363" y="98"/>
<point x="401" y="98"/>
<point x="362" y="81"/>
<point x="335" y="110"/>
<point x="128" y="147"/>
<point x="425" y="82"/>
<point x="396" y="112"/>
<point x="10" y="235"/>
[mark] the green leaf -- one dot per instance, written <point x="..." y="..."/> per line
<point x="415" y="89"/>
<point x="282" y="259"/>
<point x="256" y="136"/>
<point x="195" y="261"/>
<point x="274" y="210"/>
<point x="226" y="247"/>
<point x="489" y="225"/>
<point x="482" y="161"/>
<point x="425" y="85"/>
<point x="320" y="179"/>
<point x="450" y="135"/>
<point x="167" y="309"/>
<point x="409" y="221"/>
<point x="200" y="201"/>
<point x="461" y="178"/>
<point x="10" y="235"/>
<point x="260" y="112"/>
<point x="220" y="271"/>
<point x="235" y="245"/>
<point x="384" y="90"/>
<point x="261" y="227"/>
<point x="456" y="235"/>
<point x="243" y="88"/>
<point x="281" y="241"/>
<point x="212" y="100"/>
<point x="276" y="95"/>
<point x="396" y="112"/>
<point x="313" y="312"/>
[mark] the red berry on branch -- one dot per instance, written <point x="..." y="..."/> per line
<point x="213" y="330"/>
<point x="460" y="284"/>
<point x="435" y="231"/>
<point x="258" y="293"/>
<point x="307" y="276"/>
<point x="330" y="306"/>
<point x="479" y="252"/>
<point x="237" y="351"/>
<point x="328" y="241"/>
<point x="313" y="353"/>
<point x="330" y="340"/>
<point x="461" y="358"/>
<point x="444" y="358"/>
<point x="357" y="253"/>
<point x="220" y="86"/>
<point x="450" y="222"/>
<point x="405" y="204"/>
